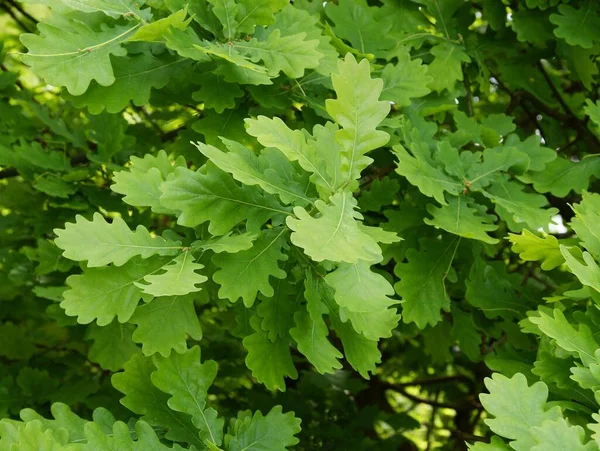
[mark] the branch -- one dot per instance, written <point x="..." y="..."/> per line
<point x="469" y="405"/>
<point x="15" y="18"/>
<point x="433" y="381"/>
<point x="22" y="11"/>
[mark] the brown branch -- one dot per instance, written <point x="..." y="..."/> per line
<point x="469" y="405"/>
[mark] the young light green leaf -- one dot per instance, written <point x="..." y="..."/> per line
<point x="358" y="110"/>
<point x="588" y="273"/>
<point x="359" y="289"/>
<point x="335" y="235"/>
<point x="586" y="222"/>
<point x="179" y="277"/>
<point x="517" y="408"/>
<point x="227" y="243"/>
<point x="531" y="247"/>
<point x="141" y="184"/>
<point x="103" y="293"/>
<point x="164" y="324"/>
<point x="101" y="243"/>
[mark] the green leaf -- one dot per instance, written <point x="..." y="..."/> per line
<point x="335" y="235"/>
<point x="361" y="353"/>
<point x="358" y="111"/>
<point x="559" y="435"/>
<point x="463" y="218"/>
<point x="145" y="399"/>
<point x="359" y="289"/>
<point x="49" y="258"/>
<point x="155" y="31"/>
<point x="356" y="22"/>
<point x="420" y="170"/>
<point x="120" y="438"/>
<point x="112" y="8"/>
<point x="276" y="430"/>
<point x="291" y="55"/>
<point x="103" y="293"/>
<point x="101" y="243"/>
<point x="489" y="290"/>
<point x="422" y="281"/>
<point x="179" y="277"/>
<point x="363" y="297"/>
<point x="588" y="273"/>
<point x="277" y="311"/>
<point x="75" y="55"/>
<point x="580" y="342"/>
<point x="15" y="342"/>
<point x="226" y="11"/>
<point x="532" y="26"/>
<point x="514" y="204"/>
<point x="561" y="176"/>
<point x="272" y="371"/>
<point x="270" y="170"/>
<point x="141" y="184"/>
<point x="532" y="248"/>
<point x="446" y="67"/>
<point x="496" y="160"/>
<point x="311" y="337"/>
<point x="212" y="195"/>
<point x="592" y="109"/>
<point x="381" y="192"/>
<point x="577" y="26"/>
<point x="406" y="80"/>
<point x="257" y="12"/>
<point x="293" y="144"/>
<point x="54" y="186"/>
<point x="586" y="222"/>
<point x="112" y="345"/>
<point x="246" y="273"/>
<point x="134" y="78"/>
<point x="187" y="381"/>
<point x="215" y="92"/>
<point x="227" y="243"/>
<point x="164" y="324"/>
<point x="517" y="408"/>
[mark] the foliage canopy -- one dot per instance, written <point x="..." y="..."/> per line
<point x="263" y="225"/>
